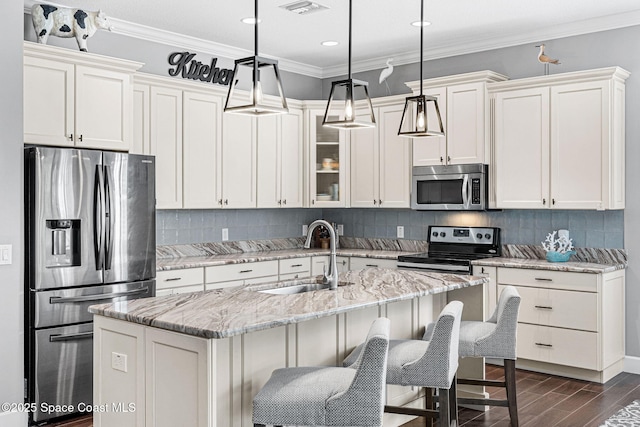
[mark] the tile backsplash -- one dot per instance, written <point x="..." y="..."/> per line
<point x="595" y="229"/>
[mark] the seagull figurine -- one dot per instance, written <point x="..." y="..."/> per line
<point x="386" y="73"/>
<point x="544" y="59"/>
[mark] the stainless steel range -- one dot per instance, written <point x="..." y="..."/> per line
<point x="451" y="249"/>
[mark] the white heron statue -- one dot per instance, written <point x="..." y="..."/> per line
<point x="385" y="73"/>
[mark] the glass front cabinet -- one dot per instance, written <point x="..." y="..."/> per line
<point x="328" y="163"/>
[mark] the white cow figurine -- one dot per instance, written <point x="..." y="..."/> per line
<point x="64" y="22"/>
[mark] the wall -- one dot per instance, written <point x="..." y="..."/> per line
<point x="11" y="276"/>
<point x="199" y="226"/>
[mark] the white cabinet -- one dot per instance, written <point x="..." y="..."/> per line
<point x="464" y="106"/>
<point x="280" y="160"/>
<point x="570" y="129"/>
<point x="166" y="144"/>
<point x="202" y="131"/>
<point x="222" y="276"/>
<point x="77" y="99"/>
<point x="320" y="264"/>
<point x="569" y="324"/>
<point x="381" y="163"/>
<point x="490" y="289"/>
<point x="179" y="281"/>
<point x="239" y="156"/>
<point x="328" y="162"/>
<point x="357" y="263"/>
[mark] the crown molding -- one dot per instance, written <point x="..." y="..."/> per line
<point x="455" y="48"/>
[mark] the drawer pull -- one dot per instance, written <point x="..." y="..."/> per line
<point x="246" y="271"/>
<point x="296" y="265"/>
<point x="371" y="265"/>
<point x="543" y="307"/>
<point x="173" y="279"/>
<point x="543" y="345"/>
<point x="543" y="279"/>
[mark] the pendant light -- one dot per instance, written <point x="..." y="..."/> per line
<point x="256" y="70"/>
<point x="415" y="123"/>
<point x="346" y="98"/>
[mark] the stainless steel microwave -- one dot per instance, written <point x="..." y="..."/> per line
<point x="450" y="187"/>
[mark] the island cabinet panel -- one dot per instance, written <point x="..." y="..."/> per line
<point x="317" y="342"/>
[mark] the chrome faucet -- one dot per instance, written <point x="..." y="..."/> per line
<point x="332" y="278"/>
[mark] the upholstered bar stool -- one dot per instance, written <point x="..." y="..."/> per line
<point x="329" y="396"/>
<point x="496" y="339"/>
<point x="430" y="364"/>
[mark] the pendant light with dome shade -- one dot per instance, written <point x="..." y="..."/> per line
<point x="415" y="121"/>
<point x="250" y="76"/>
<point x="348" y="98"/>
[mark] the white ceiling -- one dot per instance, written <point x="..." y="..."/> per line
<point x="381" y="28"/>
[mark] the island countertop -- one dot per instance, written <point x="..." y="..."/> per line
<point x="223" y="313"/>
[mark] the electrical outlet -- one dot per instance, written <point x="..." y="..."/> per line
<point x="119" y="361"/>
<point x="340" y="229"/>
<point x="5" y="254"/>
<point x="305" y="229"/>
<point x="400" y="232"/>
<point x="225" y="234"/>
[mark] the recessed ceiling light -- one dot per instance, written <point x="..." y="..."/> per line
<point x="251" y="20"/>
<point x="329" y="43"/>
<point x="421" y="23"/>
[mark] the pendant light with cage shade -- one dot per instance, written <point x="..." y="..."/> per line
<point x="417" y="117"/>
<point x="251" y="76"/>
<point x="349" y="105"/>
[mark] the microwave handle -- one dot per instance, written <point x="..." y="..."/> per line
<point x="465" y="190"/>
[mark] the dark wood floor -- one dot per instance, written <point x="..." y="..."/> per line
<point x="543" y="400"/>
<point x="547" y="400"/>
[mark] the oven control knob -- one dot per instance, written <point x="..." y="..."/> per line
<point x="435" y="234"/>
<point x="479" y="235"/>
<point x="487" y="236"/>
<point x="442" y="234"/>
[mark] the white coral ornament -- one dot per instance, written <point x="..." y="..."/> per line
<point x="561" y="245"/>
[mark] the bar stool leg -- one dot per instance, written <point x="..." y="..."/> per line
<point x="510" y="380"/>
<point x="453" y="401"/>
<point x="429" y="403"/>
<point x="444" y="417"/>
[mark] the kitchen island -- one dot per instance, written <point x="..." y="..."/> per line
<point x="198" y="359"/>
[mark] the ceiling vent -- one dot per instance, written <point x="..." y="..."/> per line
<point x="304" y="7"/>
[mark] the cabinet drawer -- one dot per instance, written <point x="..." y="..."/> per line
<point x="295" y="265"/>
<point x="548" y="279"/>
<point x="552" y="307"/>
<point x="177" y="278"/>
<point x="556" y="345"/>
<point x="232" y="272"/>
<point x="180" y="290"/>
<point x="358" y="263"/>
<point x="220" y="285"/>
<point x="293" y="276"/>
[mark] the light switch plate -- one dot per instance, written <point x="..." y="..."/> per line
<point x="225" y="234"/>
<point x="340" y="229"/>
<point x="400" y="232"/>
<point x="305" y="229"/>
<point x="6" y="254"/>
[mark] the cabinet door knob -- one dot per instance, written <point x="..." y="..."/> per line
<point x="374" y="202"/>
<point x="280" y="202"/>
<point x="226" y="201"/>
<point x="449" y="159"/>
<point x="220" y="202"/>
<point x="544" y="201"/>
<point x="553" y="201"/>
<point x="284" y="202"/>
<point x="70" y="137"/>
<point x="379" y="202"/>
<point x="313" y="202"/>
<point x="441" y="159"/>
<point x="80" y="138"/>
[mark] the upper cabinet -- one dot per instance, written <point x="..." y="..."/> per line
<point x="380" y="173"/>
<point x="77" y="99"/>
<point x="328" y="162"/>
<point x="559" y="141"/>
<point x="280" y="160"/>
<point x="464" y="107"/>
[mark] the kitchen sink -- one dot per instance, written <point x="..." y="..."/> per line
<point x="296" y="289"/>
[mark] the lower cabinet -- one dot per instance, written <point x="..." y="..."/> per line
<point x="179" y="281"/>
<point x="174" y="379"/>
<point x="224" y="276"/>
<point x="570" y="324"/>
<point x="357" y="263"/>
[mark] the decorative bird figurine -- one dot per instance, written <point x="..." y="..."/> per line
<point x="544" y="58"/>
<point x="384" y="74"/>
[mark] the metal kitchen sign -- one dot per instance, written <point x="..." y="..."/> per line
<point x="187" y="67"/>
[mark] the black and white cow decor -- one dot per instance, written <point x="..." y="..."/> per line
<point x="64" y="22"/>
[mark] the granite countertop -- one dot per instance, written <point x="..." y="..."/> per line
<point x="223" y="313"/>
<point x="542" y="264"/>
<point x="176" y="263"/>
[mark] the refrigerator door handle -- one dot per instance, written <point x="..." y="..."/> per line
<point x="68" y="337"/>
<point x="98" y="297"/>
<point x="99" y="220"/>
<point x="109" y="218"/>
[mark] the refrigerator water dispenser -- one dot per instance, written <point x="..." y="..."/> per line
<point x="63" y="243"/>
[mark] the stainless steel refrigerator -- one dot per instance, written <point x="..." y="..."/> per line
<point x="90" y="239"/>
